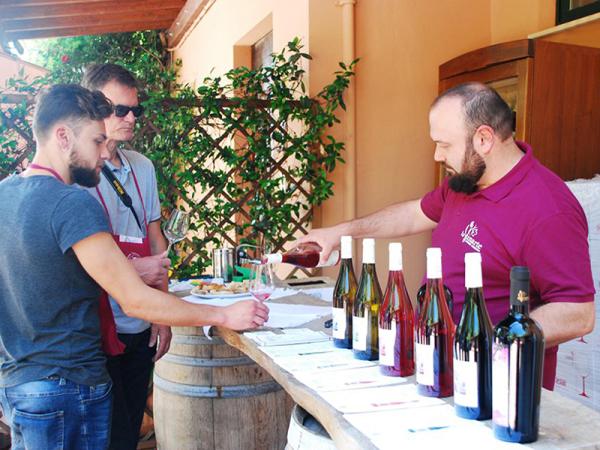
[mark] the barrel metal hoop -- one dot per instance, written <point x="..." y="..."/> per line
<point x="207" y="362"/>
<point x="187" y="390"/>
<point x="195" y="340"/>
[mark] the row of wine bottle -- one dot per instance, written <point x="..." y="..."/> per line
<point x="492" y="372"/>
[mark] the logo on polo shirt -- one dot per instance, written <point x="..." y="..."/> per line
<point x="469" y="236"/>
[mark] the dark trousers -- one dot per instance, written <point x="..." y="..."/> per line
<point x="130" y="373"/>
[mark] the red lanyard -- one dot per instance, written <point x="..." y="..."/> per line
<point x="53" y="172"/>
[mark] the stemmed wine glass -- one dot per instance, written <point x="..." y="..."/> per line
<point x="261" y="281"/>
<point x="177" y="227"/>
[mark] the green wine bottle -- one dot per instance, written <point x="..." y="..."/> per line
<point x="365" y="318"/>
<point x="344" y="294"/>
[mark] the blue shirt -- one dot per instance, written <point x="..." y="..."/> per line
<point x="122" y="220"/>
<point x="49" y="323"/>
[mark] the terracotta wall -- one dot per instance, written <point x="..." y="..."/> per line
<point x="515" y="19"/>
<point x="209" y="48"/>
<point x="401" y="45"/>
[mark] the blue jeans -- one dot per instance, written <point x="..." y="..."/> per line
<point x="55" y="413"/>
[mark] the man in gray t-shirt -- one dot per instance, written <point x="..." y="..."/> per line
<point x="54" y="246"/>
<point x="53" y="380"/>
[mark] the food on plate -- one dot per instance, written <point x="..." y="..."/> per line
<point x="208" y="288"/>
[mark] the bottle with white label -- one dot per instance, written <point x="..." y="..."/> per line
<point x="473" y="349"/>
<point x="365" y="317"/>
<point x="517" y="365"/>
<point x="434" y="334"/>
<point x="396" y="321"/>
<point x="344" y="294"/>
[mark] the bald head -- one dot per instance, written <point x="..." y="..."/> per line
<point x="481" y="105"/>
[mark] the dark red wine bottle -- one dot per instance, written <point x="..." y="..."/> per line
<point x="344" y="294"/>
<point x="421" y="297"/>
<point x="434" y="334"/>
<point x="472" y="365"/>
<point x="396" y="322"/>
<point x="365" y="316"/>
<point x="305" y="255"/>
<point x="517" y="364"/>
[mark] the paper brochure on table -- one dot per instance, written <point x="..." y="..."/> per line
<point x="294" y="350"/>
<point x="425" y="428"/>
<point x="379" y="399"/>
<point x="286" y="337"/>
<point x="316" y="363"/>
<point x="340" y="380"/>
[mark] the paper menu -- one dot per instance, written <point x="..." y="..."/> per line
<point x="285" y="351"/>
<point x="424" y="428"/>
<point x="286" y="336"/>
<point x="316" y="363"/>
<point x="379" y="399"/>
<point x="356" y="378"/>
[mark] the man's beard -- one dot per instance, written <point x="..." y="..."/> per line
<point x="83" y="176"/>
<point x="473" y="168"/>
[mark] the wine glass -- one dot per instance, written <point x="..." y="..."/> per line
<point x="261" y="281"/>
<point x="177" y="227"/>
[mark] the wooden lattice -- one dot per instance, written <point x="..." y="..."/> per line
<point x="225" y="182"/>
<point x="221" y="197"/>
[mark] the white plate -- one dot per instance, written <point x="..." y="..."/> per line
<point x="213" y="296"/>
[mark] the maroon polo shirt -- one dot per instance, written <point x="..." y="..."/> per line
<point x="527" y="218"/>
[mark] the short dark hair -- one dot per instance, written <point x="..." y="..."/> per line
<point x="69" y="102"/>
<point x="482" y="105"/>
<point x="97" y="76"/>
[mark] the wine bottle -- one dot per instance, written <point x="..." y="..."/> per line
<point x="421" y="297"/>
<point x="344" y="294"/>
<point x="365" y="315"/>
<point x="472" y="365"/>
<point x="396" y="321"/>
<point x="517" y="364"/>
<point x="305" y="255"/>
<point x="434" y="334"/>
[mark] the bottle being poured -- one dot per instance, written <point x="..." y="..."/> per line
<point x="306" y="255"/>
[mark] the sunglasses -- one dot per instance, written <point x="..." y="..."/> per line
<point x="122" y="110"/>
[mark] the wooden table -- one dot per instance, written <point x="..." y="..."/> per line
<point x="565" y="424"/>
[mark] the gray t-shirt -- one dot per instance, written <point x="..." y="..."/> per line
<point x="121" y="219"/>
<point x="49" y="323"/>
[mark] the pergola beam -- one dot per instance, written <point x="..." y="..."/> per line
<point x="191" y="13"/>
<point x="87" y="30"/>
<point x="34" y="19"/>
<point x="85" y="8"/>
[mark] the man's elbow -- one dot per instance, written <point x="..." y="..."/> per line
<point x="589" y="321"/>
<point x="132" y="302"/>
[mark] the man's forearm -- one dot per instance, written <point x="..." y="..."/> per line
<point x="563" y="321"/>
<point x="401" y="219"/>
<point x="102" y="259"/>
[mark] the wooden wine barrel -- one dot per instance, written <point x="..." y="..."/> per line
<point x="208" y="395"/>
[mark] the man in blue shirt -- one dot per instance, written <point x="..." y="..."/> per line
<point x="140" y="238"/>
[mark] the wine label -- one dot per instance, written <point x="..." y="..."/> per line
<point x="339" y="323"/>
<point x="500" y="385"/>
<point x="466" y="386"/>
<point x="387" y="344"/>
<point x="424" y="363"/>
<point x="359" y="333"/>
